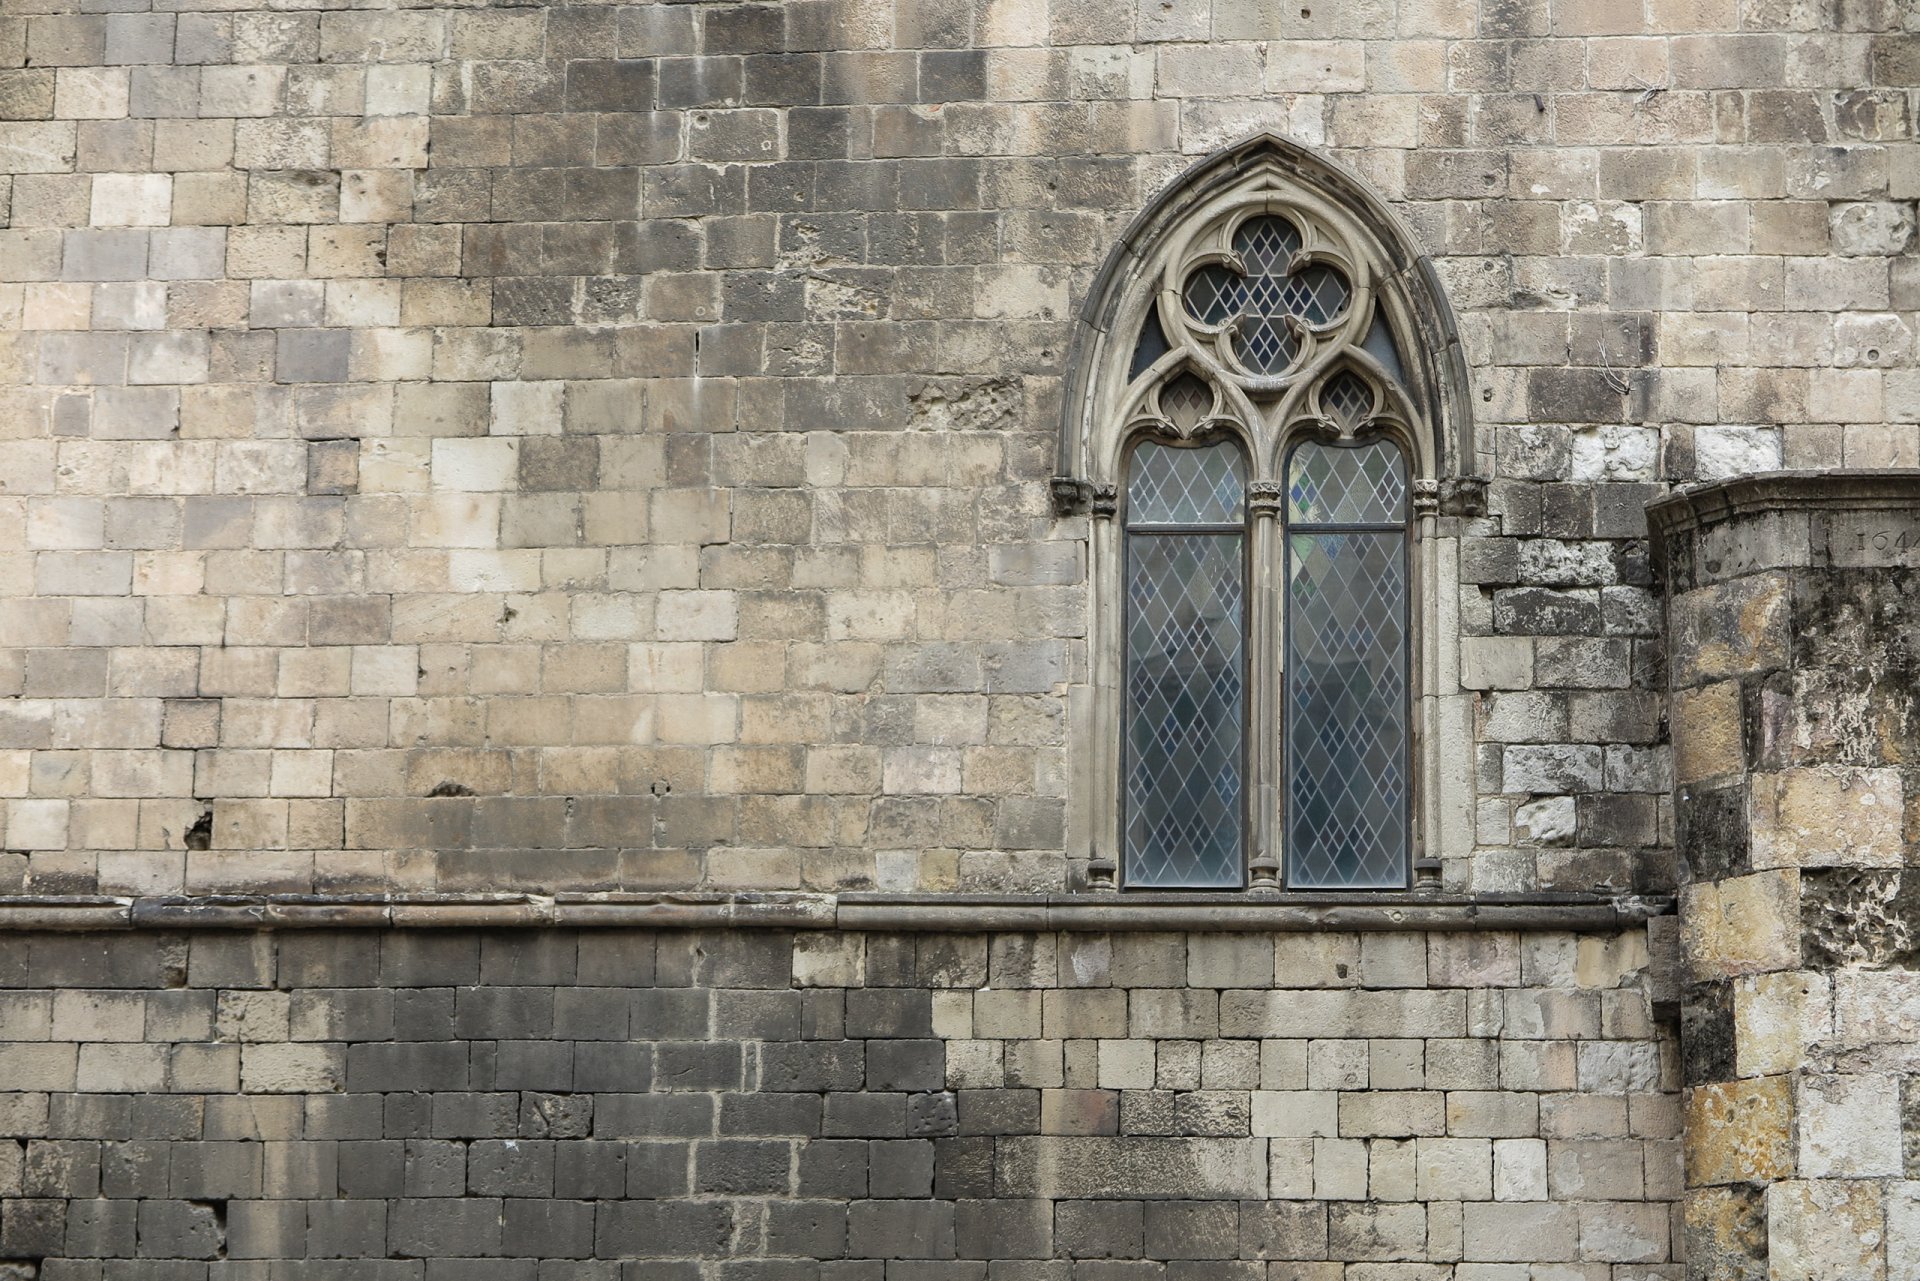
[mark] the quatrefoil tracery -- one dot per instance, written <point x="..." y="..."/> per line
<point x="1263" y="317"/>
<point x="1267" y="293"/>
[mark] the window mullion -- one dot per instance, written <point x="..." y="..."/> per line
<point x="1267" y="792"/>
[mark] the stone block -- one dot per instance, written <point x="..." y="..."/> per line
<point x="1746" y="924"/>
<point x="1743" y="1130"/>
<point x="1824" y="1228"/>
<point x="1729" y="629"/>
<point x="1848" y="1126"/>
<point x="1824" y="816"/>
<point x="1708" y="732"/>
<point x="1527" y="1231"/>
<point x="1131" y="1168"/>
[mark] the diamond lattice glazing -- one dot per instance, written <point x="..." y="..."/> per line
<point x="1214" y="294"/>
<point x="1347" y="400"/>
<point x="1347" y="484"/>
<point x="1170" y="485"/>
<point x="1185" y="401"/>
<point x="1347" y="711"/>
<point x="1185" y="703"/>
<point x="1267" y="295"/>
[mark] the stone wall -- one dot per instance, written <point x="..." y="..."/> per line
<point x="1794" y="687"/>
<point x="835" y="1106"/>
<point x="571" y="446"/>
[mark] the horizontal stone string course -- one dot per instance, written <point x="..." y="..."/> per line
<point x="940" y="913"/>
<point x="832" y="1104"/>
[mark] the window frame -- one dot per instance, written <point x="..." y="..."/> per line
<point x="1423" y="412"/>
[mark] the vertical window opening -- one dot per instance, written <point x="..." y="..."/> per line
<point x="1185" y="668"/>
<point x="1346" y="680"/>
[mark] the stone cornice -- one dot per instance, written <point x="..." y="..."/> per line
<point x="942" y="913"/>
<point x="1694" y="506"/>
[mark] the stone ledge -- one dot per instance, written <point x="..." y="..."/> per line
<point x="947" y="913"/>
<point x="1695" y="506"/>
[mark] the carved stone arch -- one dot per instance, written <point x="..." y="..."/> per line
<point x="1274" y="172"/>
<point x="1395" y="413"/>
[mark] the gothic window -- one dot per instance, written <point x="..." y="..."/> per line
<point x="1257" y="425"/>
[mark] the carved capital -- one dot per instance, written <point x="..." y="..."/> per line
<point x="1463" y="496"/>
<point x="1426" y="497"/>
<point x="1265" y="497"/>
<point x="1105" y="502"/>
<point x="1070" y="495"/>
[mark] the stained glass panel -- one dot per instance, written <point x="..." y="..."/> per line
<point x="1346" y="713"/>
<point x="1347" y="400"/>
<point x="1347" y="484"/>
<point x="1185" y="678"/>
<point x="1185" y="486"/>
<point x="1214" y="294"/>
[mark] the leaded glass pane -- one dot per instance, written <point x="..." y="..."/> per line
<point x="1214" y="294"/>
<point x="1347" y="400"/>
<point x="1347" y="484"/>
<point x="1267" y="294"/>
<point x="1185" y="401"/>
<point x="1184" y="710"/>
<point x="1170" y="485"/>
<point x="1151" y="346"/>
<point x="1347" y="739"/>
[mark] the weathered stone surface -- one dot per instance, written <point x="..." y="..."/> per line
<point x="1824" y="1229"/>
<point x="1730" y="629"/>
<point x="1741" y="925"/>
<point x="1827" y="816"/>
<point x="1709" y="732"/>
<point x="1131" y="1168"/>
<point x="1849" y="1126"/>
<point x="1778" y="1019"/>
<point x="1726" y="1234"/>
<point x="1739" y="1131"/>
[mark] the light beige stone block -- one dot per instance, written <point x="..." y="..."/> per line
<point x="1827" y="816"/>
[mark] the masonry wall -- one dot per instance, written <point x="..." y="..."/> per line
<point x="1793" y="726"/>
<point x="746" y="1104"/>
<point x="573" y="447"/>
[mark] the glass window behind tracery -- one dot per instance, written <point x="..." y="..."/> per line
<point x="1347" y="695"/>
<point x="1185" y="667"/>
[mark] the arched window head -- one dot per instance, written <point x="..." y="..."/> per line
<point x="1265" y="395"/>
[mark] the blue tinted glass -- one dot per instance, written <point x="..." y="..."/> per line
<point x="1346" y="710"/>
<point x="1170" y="485"/>
<point x="1151" y="345"/>
<point x="1185" y="681"/>
<point x="1381" y="347"/>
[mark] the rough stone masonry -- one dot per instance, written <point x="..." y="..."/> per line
<point x="537" y="666"/>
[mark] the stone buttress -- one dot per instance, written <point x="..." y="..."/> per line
<point x="1794" y="611"/>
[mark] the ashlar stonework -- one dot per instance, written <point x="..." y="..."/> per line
<point x="548" y="687"/>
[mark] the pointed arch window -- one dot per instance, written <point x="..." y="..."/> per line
<point x="1260" y="420"/>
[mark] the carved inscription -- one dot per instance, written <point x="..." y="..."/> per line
<point x="1874" y="539"/>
